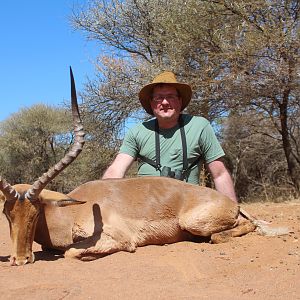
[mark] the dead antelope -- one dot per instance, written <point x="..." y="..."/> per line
<point x="113" y="215"/>
<point x="119" y="215"/>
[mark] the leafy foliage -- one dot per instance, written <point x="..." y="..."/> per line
<point x="36" y="138"/>
<point x="241" y="57"/>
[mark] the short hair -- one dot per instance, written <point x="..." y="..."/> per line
<point x="162" y="84"/>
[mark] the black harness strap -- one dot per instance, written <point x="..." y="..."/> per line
<point x="150" y="162"/>
<point x="157" y="146"/>
<point x="156" y="164"/>
<point x="184" y="147"/>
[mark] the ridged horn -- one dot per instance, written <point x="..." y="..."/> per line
<point x="8" y="191"/>
<point x="39" y="185"/>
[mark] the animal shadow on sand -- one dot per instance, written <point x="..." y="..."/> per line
<point x="48" y="255"/>
<point x="4" y="258"/>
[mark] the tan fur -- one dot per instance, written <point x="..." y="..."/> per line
<point x="120" y="215"/>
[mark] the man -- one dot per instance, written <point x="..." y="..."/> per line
<point x="172" y="143"/>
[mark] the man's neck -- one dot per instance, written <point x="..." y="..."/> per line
<point x="167" y="124"/>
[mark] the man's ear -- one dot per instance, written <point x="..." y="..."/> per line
<point x="58" y="199"/>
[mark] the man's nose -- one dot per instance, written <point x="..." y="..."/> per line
<point x="165" y="101"/>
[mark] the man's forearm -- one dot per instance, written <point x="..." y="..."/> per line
<point x="112" y="172"/>
<point x="224" y="185"/>
<point x="119" y="166"/>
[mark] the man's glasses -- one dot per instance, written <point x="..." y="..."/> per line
<point x="161" y="98"/>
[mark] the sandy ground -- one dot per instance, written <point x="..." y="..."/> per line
<point x="249" y="267"/>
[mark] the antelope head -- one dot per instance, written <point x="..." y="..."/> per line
<point x="23" y="202"/>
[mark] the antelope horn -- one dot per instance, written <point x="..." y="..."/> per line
<point x="39" y="185"/>
<point x="8" y="191"/>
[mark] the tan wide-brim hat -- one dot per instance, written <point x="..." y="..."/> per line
<point x="184" y="90"/>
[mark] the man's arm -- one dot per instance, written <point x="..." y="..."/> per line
<point x="119" y="166"/>
<point x="222" y="179"/>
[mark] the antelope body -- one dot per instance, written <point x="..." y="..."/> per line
<point x="119" y="215"/>
<point x="105" y="216"/>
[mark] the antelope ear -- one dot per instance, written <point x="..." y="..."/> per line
<point x="68" y="202"/>
<point x="58" y="199"/>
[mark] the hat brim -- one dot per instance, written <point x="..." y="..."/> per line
<point x="145" y="95"/>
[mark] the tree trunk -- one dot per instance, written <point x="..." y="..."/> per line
<point x="293" y="165"/>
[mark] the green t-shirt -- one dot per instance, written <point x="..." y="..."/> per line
<point x="200" y="138"/>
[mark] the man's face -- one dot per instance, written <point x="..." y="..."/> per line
<point x="166" y="102"/>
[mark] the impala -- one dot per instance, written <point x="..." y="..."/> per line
<point x="105" y="216"/>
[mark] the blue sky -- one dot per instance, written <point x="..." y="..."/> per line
<point x="37" y="47"/>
